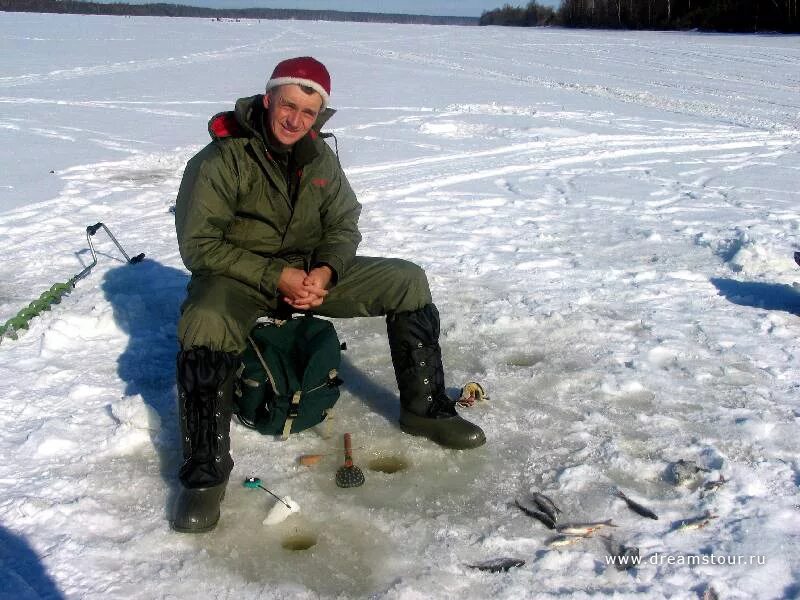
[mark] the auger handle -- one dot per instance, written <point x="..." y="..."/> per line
<point x="93" y="229"/>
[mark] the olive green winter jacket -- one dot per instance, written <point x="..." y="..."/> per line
<point x="234" y="215"/>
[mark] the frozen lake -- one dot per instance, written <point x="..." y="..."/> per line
<point x="607" y="220"/>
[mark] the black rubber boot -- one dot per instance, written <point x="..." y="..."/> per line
<point x="417" y="358"/>
<point x="448" y="431"/>
<point x="197" y="509"/>
<point x="205" y="406"/>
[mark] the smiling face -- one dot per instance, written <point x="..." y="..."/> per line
<point x="291" y="112"/>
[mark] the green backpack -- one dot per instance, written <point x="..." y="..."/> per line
<point x="289" y="380"/>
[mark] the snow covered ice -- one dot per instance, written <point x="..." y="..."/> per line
<point x="607" y="220"/>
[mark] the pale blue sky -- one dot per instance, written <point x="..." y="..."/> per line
<point x="457" y="8"/>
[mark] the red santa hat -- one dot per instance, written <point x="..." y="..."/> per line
<point x="302" y="70"/>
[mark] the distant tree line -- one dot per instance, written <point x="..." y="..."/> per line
<point x="532" y="15"/>
<point x="179" y="10"/>
<point x="710" y="15"/>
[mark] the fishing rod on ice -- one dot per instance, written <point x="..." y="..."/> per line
<point x="57" y="291"/>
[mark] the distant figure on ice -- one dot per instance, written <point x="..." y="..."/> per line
<point x="267" y="224"/>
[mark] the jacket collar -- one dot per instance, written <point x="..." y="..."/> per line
<point x="248" y="121"/>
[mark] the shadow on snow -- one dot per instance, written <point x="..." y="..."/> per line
<point x="22" y="574"/>
<point x="379" y="398"/>
<point x="769" y="296"/>
<point x="146" y="299"/>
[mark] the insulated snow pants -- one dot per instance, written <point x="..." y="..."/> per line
<point x="219" y="312"/>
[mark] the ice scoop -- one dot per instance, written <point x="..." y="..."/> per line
<point x="348" y="474"/>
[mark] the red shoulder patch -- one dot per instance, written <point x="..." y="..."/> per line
<point x="224" y="125"/>
<point x="320" y="182"/>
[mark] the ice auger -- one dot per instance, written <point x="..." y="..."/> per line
<point x="56" y="292"/>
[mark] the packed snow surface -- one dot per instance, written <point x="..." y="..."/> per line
<point x="607" y="220"/>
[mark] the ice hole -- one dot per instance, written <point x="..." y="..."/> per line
<point x="299" y="542"/>
<point x="388" y="464"/>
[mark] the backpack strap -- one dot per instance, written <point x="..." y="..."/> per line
<point x="294" y="410"/>
<point x="294" y="406"/>
<point x="263" y="363"/>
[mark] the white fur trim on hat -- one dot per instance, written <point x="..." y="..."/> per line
<point x="278" y="81"/>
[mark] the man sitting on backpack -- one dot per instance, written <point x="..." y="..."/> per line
<point x="268" y="224"/>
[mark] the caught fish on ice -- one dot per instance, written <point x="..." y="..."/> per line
<point x="533" y="510"/>
<point x="537" y="502"/>
<point x="564" y="539"/>
<point x="498" y="565"/>
<point x="583" y="529"/>
<point x="692" y="523"/>
<point x="636" y="507"/>
<point x="546" y="505"/>
<point x="709" y="487"/>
